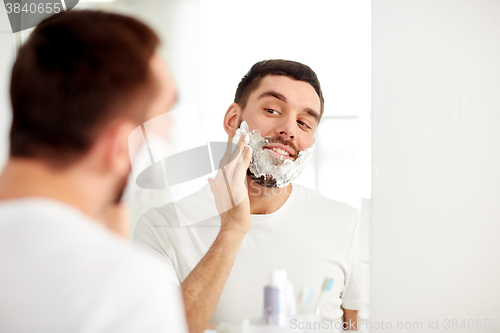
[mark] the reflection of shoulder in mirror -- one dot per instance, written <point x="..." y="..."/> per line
<point x="340" y="212"/>
<point x="197" y="208"/>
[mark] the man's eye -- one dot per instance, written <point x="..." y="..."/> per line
<point x="301" y="123"/>
<point x="272" y="111"/>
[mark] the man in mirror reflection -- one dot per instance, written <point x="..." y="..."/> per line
<point x="222" y="261"/>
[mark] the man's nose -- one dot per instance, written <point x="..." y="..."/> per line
<point x="287" y="128"/>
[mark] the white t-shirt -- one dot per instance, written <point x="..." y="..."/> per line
<point x="310" y="236"/>
<point x="61" y="271"/>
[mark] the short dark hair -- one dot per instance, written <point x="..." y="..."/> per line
<point x="293" y="69"/>
<point x="75" y="73"/>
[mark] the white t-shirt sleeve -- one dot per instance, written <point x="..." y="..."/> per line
<point x="174" y="313"/>
<point x="351" y="295"/>
<point x="140" y="301"/>
<point x="167" y="306"/>
<point x="145" y="235"/>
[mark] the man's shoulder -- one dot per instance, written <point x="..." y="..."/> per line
<point x="64" y="244"/>
<point x="317" y="200"/>
<point x="326" y="214"/>
<point x="194" y="208"/>
<point x="68" y="251"/>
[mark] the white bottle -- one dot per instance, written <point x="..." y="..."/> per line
<point x="276" y="299"/>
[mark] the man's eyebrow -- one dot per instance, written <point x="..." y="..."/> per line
<point x="312" y="113"/>
<point x="274" y="94"/>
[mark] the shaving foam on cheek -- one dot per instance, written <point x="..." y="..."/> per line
<point x="237" y="137"/>
<point x="243" y="129"/>
<point x="264" y="164"/>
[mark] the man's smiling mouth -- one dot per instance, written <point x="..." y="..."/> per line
<point x="279" y="153"/>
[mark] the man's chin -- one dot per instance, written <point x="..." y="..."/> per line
<point x="265" y="180"/>
<point x="120" y="190"/>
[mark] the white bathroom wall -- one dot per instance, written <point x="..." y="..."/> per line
<point x="436" y="157"/>
<point x="7" y="53"/>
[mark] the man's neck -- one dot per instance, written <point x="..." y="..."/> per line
<point x="266" y="200"/>
<point x="23" y="178"/>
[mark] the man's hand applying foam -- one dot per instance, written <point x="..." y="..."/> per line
<point x="203" y="286"/>
<point x="229" y="188"/>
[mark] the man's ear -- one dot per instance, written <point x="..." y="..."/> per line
<point x="231" y="119"/>
<point x="116" y="153"/>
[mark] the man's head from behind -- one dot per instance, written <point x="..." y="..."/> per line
<point x="80" y="84"/>
<point x="283" y="100"/>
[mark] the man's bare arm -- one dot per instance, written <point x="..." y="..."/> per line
<point x="204" y="285"/>
<point x="350" y="319"/>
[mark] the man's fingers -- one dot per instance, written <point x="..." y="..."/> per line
<point x="235" y="156"/>
<point x="229" y="154"/>
<point x="247" y="157"/>
<point x="232" y="164"/>
<point x="230" y="179"/>
<point x="242" y="167"/>
<point x="241" y="142"/>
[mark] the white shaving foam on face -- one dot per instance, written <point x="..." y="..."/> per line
<point x="263" y="163"/>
